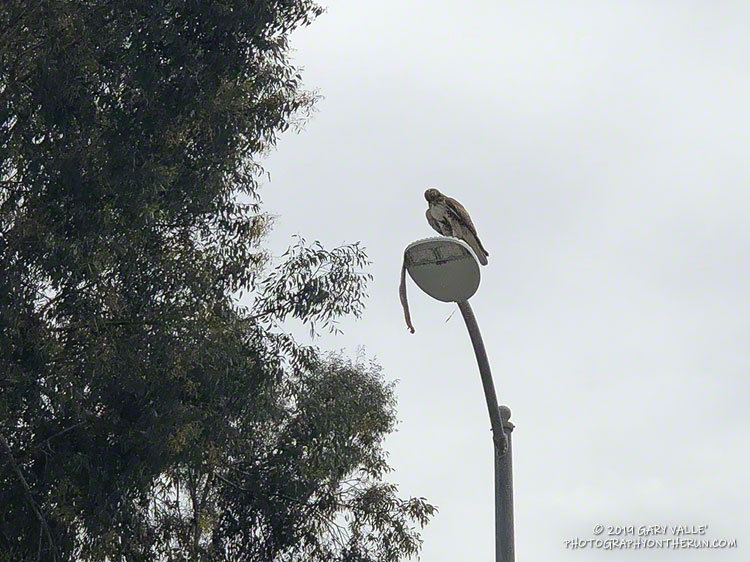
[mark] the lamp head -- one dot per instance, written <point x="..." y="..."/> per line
<point x="445" y="268"/>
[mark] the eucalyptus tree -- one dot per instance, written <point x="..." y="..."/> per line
<point x="145" y="414"/>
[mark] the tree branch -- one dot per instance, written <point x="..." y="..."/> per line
<point x="27" y="489"/>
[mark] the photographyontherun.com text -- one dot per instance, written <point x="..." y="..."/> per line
<point x="647" y="537"/>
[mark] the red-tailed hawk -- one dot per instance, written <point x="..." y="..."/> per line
<point x="449" y="218"/>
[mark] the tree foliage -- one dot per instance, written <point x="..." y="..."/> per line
<point x="144" y="413"/>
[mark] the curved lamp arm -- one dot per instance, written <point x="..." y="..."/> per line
<point x="496" y="423"/>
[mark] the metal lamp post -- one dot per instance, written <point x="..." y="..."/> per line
<point x="447" y="270"/>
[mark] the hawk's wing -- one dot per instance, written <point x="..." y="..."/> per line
<point x="463" y="216"/>
<point x="461" y="213"/>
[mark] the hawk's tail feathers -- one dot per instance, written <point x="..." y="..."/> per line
<point x="473" y="241"/>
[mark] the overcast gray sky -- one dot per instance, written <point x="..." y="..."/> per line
<point x="602" y="151"/>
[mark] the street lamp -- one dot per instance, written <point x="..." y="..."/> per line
<point x="447" y="270"/>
